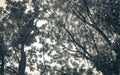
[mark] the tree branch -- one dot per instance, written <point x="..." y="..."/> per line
<point x="93" y="39"/>
<point x="77" y="42"/>
<point x="16" y="54"/>
<point x="93" y="24"/>
<point x="65" y="46"/>
<point x="13" y="71"/>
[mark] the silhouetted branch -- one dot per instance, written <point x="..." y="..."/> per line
<point x="65" y="46"/>
<point x="77" y="42"/>
<point x="13" y="71"/>
<point x="94" y="25"/>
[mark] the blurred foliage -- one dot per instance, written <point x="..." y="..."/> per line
<point x="74" y="31"/>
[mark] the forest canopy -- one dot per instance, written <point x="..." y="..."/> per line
<point x="76" y="37"/>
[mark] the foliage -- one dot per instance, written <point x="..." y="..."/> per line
<point x="88" y="28"/>
<point x="108" y="13"/>
<point x="74" y="29"/>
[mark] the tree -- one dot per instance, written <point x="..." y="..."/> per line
<point x="3" y="51"/>
<point x="20" y="31"/>
<point x="3" y="46"/>
<point x="90" y="26"/>
<point x="83" y="30"/>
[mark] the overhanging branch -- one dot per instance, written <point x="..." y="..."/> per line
<point x="93" y="24"/>
<point x="77" y="43"/>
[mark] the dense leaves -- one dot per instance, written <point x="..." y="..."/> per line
<point x="77" y="36"/>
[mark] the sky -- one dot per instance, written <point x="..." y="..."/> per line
<point x="2" y="3"/>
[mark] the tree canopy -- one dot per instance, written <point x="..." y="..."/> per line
<point x="78" y="37"/>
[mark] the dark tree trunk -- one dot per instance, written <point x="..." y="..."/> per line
<point x="22" y="62"/>
<point x="107" y="72"/>
<point x="116" y="65"/>
<point x="2" y="65"/>
<point x="114" y="70"/>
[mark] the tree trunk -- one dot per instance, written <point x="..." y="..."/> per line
<point x="114" y="70"/>
<point x="22" y="62"/>
<point x="116" y="65"/>
<point x="2" y="65"/>
<point x="104" y="73"/>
